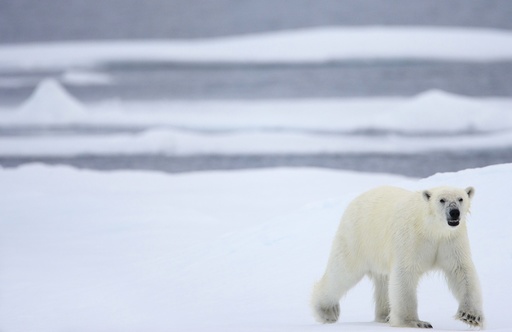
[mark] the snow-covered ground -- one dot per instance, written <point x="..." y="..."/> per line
<point x="214" y="251"/>
<point x="307" y="45"/>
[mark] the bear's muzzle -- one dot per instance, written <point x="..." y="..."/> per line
<point x="454" y="217"/>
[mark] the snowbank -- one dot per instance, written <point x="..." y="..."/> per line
<point x="433" y="111"/>
<point x="50" y="103"/>
<point x="215" y="251"/>
<point x="386" y="125"/>
<point x="82" y="77"/>
<point x="178" y="143"/>
<point x="308" y="45"/>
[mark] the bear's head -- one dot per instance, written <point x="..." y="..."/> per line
<point x="448" y="204"/>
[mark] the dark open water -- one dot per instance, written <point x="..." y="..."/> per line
<point x="54" y="20"/>
<point x="46" y="20"/>
<point x="415" y="165"/>
<point x="267" y="81"/>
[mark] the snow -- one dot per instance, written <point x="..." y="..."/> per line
<point x="307" y="45"/>
<point x="83" y="77"/>
<point x="213" y="251"/>
<point x="51" y="103"/>
<point x="176" y="143"/>
<point x="385" y="125"/>
<point x="433" y="111"/>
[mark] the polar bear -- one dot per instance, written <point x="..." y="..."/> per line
<point x="394" y="236"/>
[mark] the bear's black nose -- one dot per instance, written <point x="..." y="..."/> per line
<point x="454" y="214"/>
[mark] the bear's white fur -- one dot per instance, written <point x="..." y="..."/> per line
<point x="394" y="236"/>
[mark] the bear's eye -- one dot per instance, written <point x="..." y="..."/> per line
<point x="461" y="200"/>
<point x="442" y="200"/>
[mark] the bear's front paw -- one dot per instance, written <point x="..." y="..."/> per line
<point x="410" y="323"/>
<point x="420" y="324"/>
<point x="471" y="317"/>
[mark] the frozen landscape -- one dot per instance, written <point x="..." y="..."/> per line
<point x="211" y="251"/>
<point x="86" y="249"/>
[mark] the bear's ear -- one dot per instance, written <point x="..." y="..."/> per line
<point x="427" y="195"/>
<point x="470" y="191"/>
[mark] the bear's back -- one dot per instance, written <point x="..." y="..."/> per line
<point x="369" y="223"/>
<point x="377" y="204"/>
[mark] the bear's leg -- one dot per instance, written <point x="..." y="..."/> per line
<point x="381" y="298"/>
<point x="327" y="293"/>
<point x="463" y="281"/>
<point x="403" y="300"/>
<point x="464" y="285"/>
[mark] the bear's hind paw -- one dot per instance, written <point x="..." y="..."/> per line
<point x="328" y="315"/>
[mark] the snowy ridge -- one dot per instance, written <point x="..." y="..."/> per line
<point x="178" y="143"/>
<point x="307" y="45"/>
<point x="385" y="125"/>
<point x="82" y="77"/>
<point x="433" y="111"/>
<point x="51" y="103"/>
<point x="93" y="251"/>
